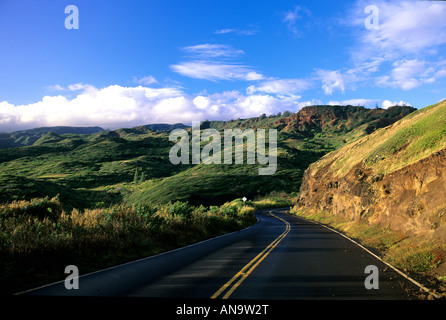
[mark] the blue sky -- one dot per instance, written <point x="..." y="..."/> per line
<point x="166" y="61"/>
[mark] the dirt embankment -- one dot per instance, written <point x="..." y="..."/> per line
<point x="411" y="200"/>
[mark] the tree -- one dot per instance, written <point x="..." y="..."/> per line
<point x="142" y="178"/>
<point x="135" y="177"/>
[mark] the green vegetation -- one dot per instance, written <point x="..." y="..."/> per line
<point x="107" y="197"/>
<point x="132" y="165"/>
<point x="38" y="238"/>
<point x="274" y="200"/>
<point x="29" y="137"/>
<point x="422" y="133"/>
<point x="408" y="140"/>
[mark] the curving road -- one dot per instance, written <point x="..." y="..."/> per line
<point x="281" y="257"/>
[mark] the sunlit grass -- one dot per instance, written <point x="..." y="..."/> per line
<point x="38" y="238"/>
<point x="406" y="141"/>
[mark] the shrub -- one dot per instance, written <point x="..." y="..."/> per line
<point x="43" y="237"/>
<point x="180" y="208"/>
<point x="36" y="208"/>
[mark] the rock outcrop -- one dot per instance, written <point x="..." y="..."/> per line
<point x="411" y="200"/>
<point x="409" y="197"/>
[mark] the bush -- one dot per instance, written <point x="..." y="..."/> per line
<point x="180" y="208"/>
<point x="36" y="208"/>
<point x="38" y="235"/>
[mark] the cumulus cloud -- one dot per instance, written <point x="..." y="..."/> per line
<point x="113" y="106"/>
<point x="117" y="106"/>
<point x="387" y="103"/>
<point x="331" y="80"/>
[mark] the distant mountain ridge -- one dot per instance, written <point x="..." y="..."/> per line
<point x="165" y="126"/>
<point x="28" y="137"/>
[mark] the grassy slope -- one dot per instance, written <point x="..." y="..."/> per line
<point x="217" y="183"/>
<point x="28" y="137"/>
<point x="328" y="128"/>
<point x="389" y="149"/>
<point x="100" y="168"/>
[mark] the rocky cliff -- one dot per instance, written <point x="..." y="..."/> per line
<point x="341" y="118"/>
<point x="395" y="177"/>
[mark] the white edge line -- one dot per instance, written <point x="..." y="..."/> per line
<point x="138" y="260"/>
<point x="377" y="257"/>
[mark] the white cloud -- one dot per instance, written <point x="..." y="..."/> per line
<point x="361" y="102"/>
<point x="368" y="103"/>
<point x="215" y="62"/>
<point x="56" y="87"/>
<point x="207" y="50"/>
<point x="291" y="17"/>
<point x="73" y="87"/>
<point x="225" y="31"/>
<point x="402" y="52"/>
<point x="80" y="86"/>
<point x="331" y="81"/>
<point x="280" y="86"/>
<point x="216" y="71"/>
<point x="147" y="80"/>
<point x="201" y="102"/>
<point x="440" y="73"/>
<point x="387" y="103"/>
<point x="246" y="32"/>
<point x="116" y="107"/>
<point x="404" y="26"/>
<point x="312" y="102"/>
<point x="408" y="74"/>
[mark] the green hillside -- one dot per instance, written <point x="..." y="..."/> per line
<point x="28" y="137"/>
<point x="415" y="136"/>
<point x="133" y="165"/>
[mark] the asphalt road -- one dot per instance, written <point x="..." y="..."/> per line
<point x="281" y="257"/>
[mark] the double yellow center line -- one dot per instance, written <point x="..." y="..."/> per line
<point x="240" y="276"/>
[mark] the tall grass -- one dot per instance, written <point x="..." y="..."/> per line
<point x="274" y="200"/>
<point x="38" y="238"/>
